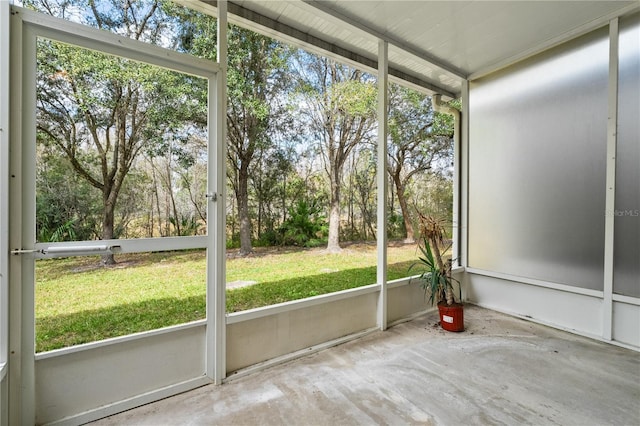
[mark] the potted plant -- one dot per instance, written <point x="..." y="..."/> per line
<point x="435" y="278"/>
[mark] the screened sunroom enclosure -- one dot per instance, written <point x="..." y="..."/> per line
<point x="546" y="195"/>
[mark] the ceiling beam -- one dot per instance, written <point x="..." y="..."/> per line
<point x="259" y="23"/>
<point x="353" y="21"/>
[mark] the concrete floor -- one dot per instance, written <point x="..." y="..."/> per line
<point x="501" y="370"/>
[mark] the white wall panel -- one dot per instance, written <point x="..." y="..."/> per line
<point x="626" y="320"/>
<point x="80" y="381"/>
<point x="561" y="309"/>
<point x="537" y="150"/>
<point x="261" y="339"/>
<point x="406" y="300"/>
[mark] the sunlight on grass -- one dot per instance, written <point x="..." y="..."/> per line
<point x="274" y="265"/>
<point x="78" y="301"/>
<point x="87" y="286"/>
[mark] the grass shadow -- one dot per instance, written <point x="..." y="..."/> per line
<point x="59" y="331"/>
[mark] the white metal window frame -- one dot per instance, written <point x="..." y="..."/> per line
<point x="17" y="330"/>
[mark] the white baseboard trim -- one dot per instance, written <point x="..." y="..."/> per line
<point x="557" y="327"/>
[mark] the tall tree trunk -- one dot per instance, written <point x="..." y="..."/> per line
<point x="261" y="203"/>
<point x="284" y="198"/>
<point x="406" y="217"/>
<point x="243" y="210"/>
<point x="351" y="205"/>
<point x="333" y="245"/>
<point x="233" y="217"/>
<point x="151" y="222"/>
<point x="107" y="229"/>
<point x="172" y="198"/>
<point x="157" y="199"/>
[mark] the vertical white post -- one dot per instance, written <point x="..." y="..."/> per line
<point x="15" y="224"/>
<point x="462" y="163"/>
<point x="610" y="201"/>
<point x="216" y="272"/>
<point x="21" y="211"/>
<point x="455" y="252"/>
<point x="5" y="14"/>
<point x="28" y="145"/>
<point x="383" y="98"/>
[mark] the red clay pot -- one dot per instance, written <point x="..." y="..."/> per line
<point x="451" y="316"/>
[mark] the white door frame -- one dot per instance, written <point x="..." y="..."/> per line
<point x="26" y="27"/>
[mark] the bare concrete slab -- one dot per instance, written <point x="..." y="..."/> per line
<point x="501" y="370"/>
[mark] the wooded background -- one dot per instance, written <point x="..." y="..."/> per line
<point x="122" y="145"/>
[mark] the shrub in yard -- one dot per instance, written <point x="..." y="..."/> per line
<point x="305" y="227"/>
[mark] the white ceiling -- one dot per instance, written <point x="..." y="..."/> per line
<point x="440" y="43"/>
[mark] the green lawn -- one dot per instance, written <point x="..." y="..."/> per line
<point x="78" y="301"/>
